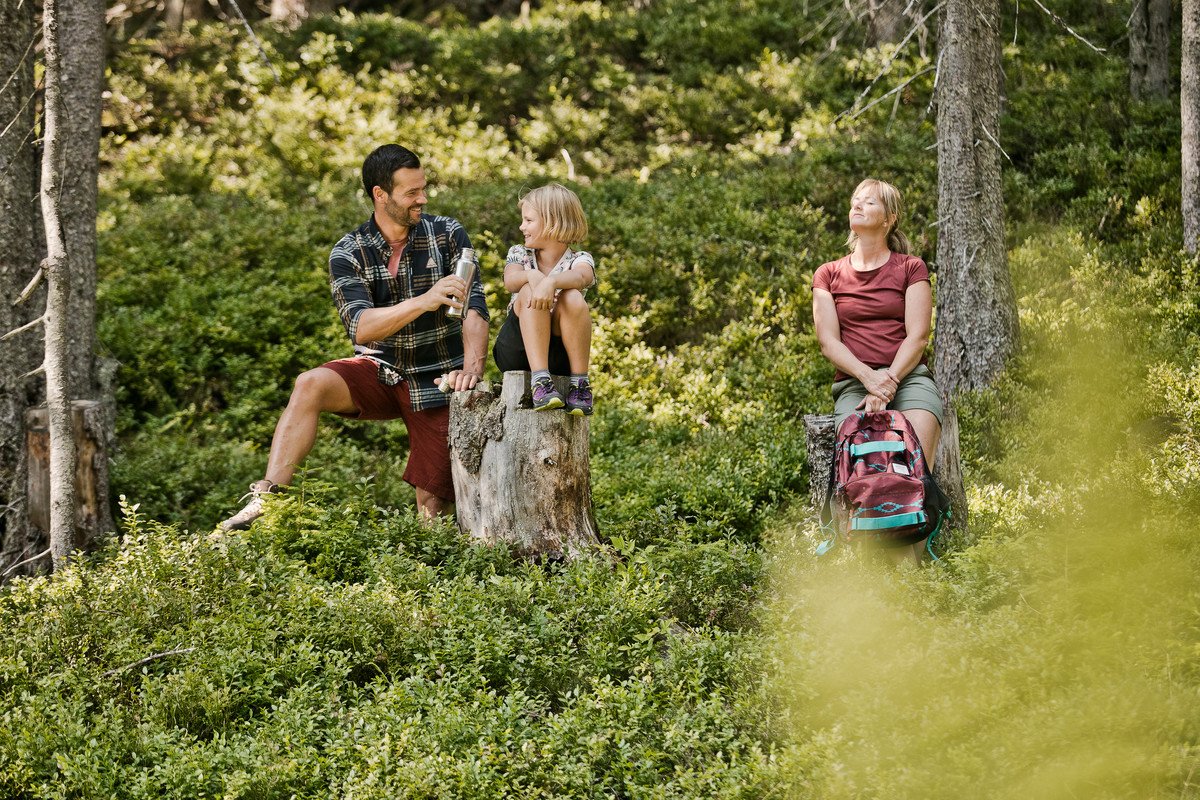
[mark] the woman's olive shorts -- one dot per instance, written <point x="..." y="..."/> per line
<point x="917" y="390"/>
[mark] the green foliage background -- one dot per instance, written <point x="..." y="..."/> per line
<point x="342" y="650"/>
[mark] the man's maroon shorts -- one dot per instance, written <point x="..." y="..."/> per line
<point x="428" y="465"/>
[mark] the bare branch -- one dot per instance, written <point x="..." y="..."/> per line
<point x="147" y="659"/>
<point x="15" y="331"/>
<point x="257" y="43"/>
<point x="35" y="371"/>
<point x="32" y="285"/>
<point x="937" y="72"/>
<point x="899" y="88"/>
<point x="1060" y="21"/>
<point x="13" y="567"/>
<point x="21" y="111"/>
<point x="988" y="134"/>
<point x="17" y="69"/>
<point x="888" y="64"/>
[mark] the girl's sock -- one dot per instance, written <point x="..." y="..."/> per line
<point x="578" y="379"/>
<point x="539" y="374"/>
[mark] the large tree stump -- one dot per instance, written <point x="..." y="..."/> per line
<point x="93" y="517"/>
<point x="521" y="476"/>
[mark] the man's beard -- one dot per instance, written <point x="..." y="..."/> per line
<point x="399" y="215"/>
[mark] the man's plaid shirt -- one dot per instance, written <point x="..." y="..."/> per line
<point x="431" y="344"/>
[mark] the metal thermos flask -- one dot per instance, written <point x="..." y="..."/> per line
<point x="465" y="269"/>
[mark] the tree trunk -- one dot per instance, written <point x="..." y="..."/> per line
<point x="1150" y="49"/>
<point x="62" y="439"/>
<point x="1189" y="97"/>
<point x="177" y="12"/>
<point x="521" y="476"/>
<point x="886" y="21"/>
<point x="82" y="86"/>
<point x="976" y="311"/>
<point x="21" y="253"/>
<point x="81" y="25"/>
<point x="91" y="488"/>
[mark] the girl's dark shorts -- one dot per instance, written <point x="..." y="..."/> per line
<point x="509" y="350"/>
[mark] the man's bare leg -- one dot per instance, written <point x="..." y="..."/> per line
<point x="430" y="506"/>
<point x="315" y="391"/>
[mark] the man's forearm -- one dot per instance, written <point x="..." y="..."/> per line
<point x="475" y="339"/>
<point x="379" y="323"/>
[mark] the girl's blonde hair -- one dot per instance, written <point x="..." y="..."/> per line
<point x="889" y="195"/>
<point x="560" y="211"/>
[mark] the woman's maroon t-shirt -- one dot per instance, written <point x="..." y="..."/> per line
<point x="870" y="305"/>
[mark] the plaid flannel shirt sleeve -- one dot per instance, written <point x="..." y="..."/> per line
<point x="351" y="293"/>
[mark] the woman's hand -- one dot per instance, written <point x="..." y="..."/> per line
<point x="871" y="403"/>
<point x="881" y="384"/>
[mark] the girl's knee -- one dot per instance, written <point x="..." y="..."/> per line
<point x="571" y="301"/>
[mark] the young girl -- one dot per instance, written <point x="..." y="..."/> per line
<point x="549" y="325"/>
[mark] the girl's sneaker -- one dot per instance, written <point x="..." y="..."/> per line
<point x="545" y="396"/>
<point x="579" y="400"/>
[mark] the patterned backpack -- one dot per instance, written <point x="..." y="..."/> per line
<point x="880" y="490"/>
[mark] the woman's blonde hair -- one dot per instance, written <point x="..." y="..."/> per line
<point x="889" y="195"/>
<point x="560" y="211"/>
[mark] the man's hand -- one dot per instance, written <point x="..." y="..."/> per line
<point x="449" y="291"/>
<point x="459" y="380"/>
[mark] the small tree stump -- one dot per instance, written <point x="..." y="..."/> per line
<point x="818" y="437"/>
<point x="93" y="517"/>
<point x="521" y="476"/>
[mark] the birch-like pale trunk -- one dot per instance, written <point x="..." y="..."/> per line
<point x="21" y="252"/>
<point x="1189" y="112"/>
<point x="58" y="401"/>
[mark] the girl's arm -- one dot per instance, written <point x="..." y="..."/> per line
<point x="516" y="276"/>
<point x="918" y="318"/>
<point x="579" y="276"/>
<point x="829" y="335"/>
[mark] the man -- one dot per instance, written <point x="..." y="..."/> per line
<point x="393" y="281"/>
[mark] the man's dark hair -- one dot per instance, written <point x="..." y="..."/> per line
<point x="382" y="163"/>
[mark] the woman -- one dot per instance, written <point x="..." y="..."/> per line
<point x="872" y="311"/>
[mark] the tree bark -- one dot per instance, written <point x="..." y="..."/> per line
<point x="21" y="253"/>
<point x="1189" y="104"/>
<point x="91" y="477"/>
<point x="977" y="324"/>
<point x="521" y="476"/>
<point x="58" y="387"/>
<point x="1150" y="49"/>
<point x="819" y="436"/>
<point x="886" y="21"/>
<point x="976" y="311"/>
<point x="82" y="25"/>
